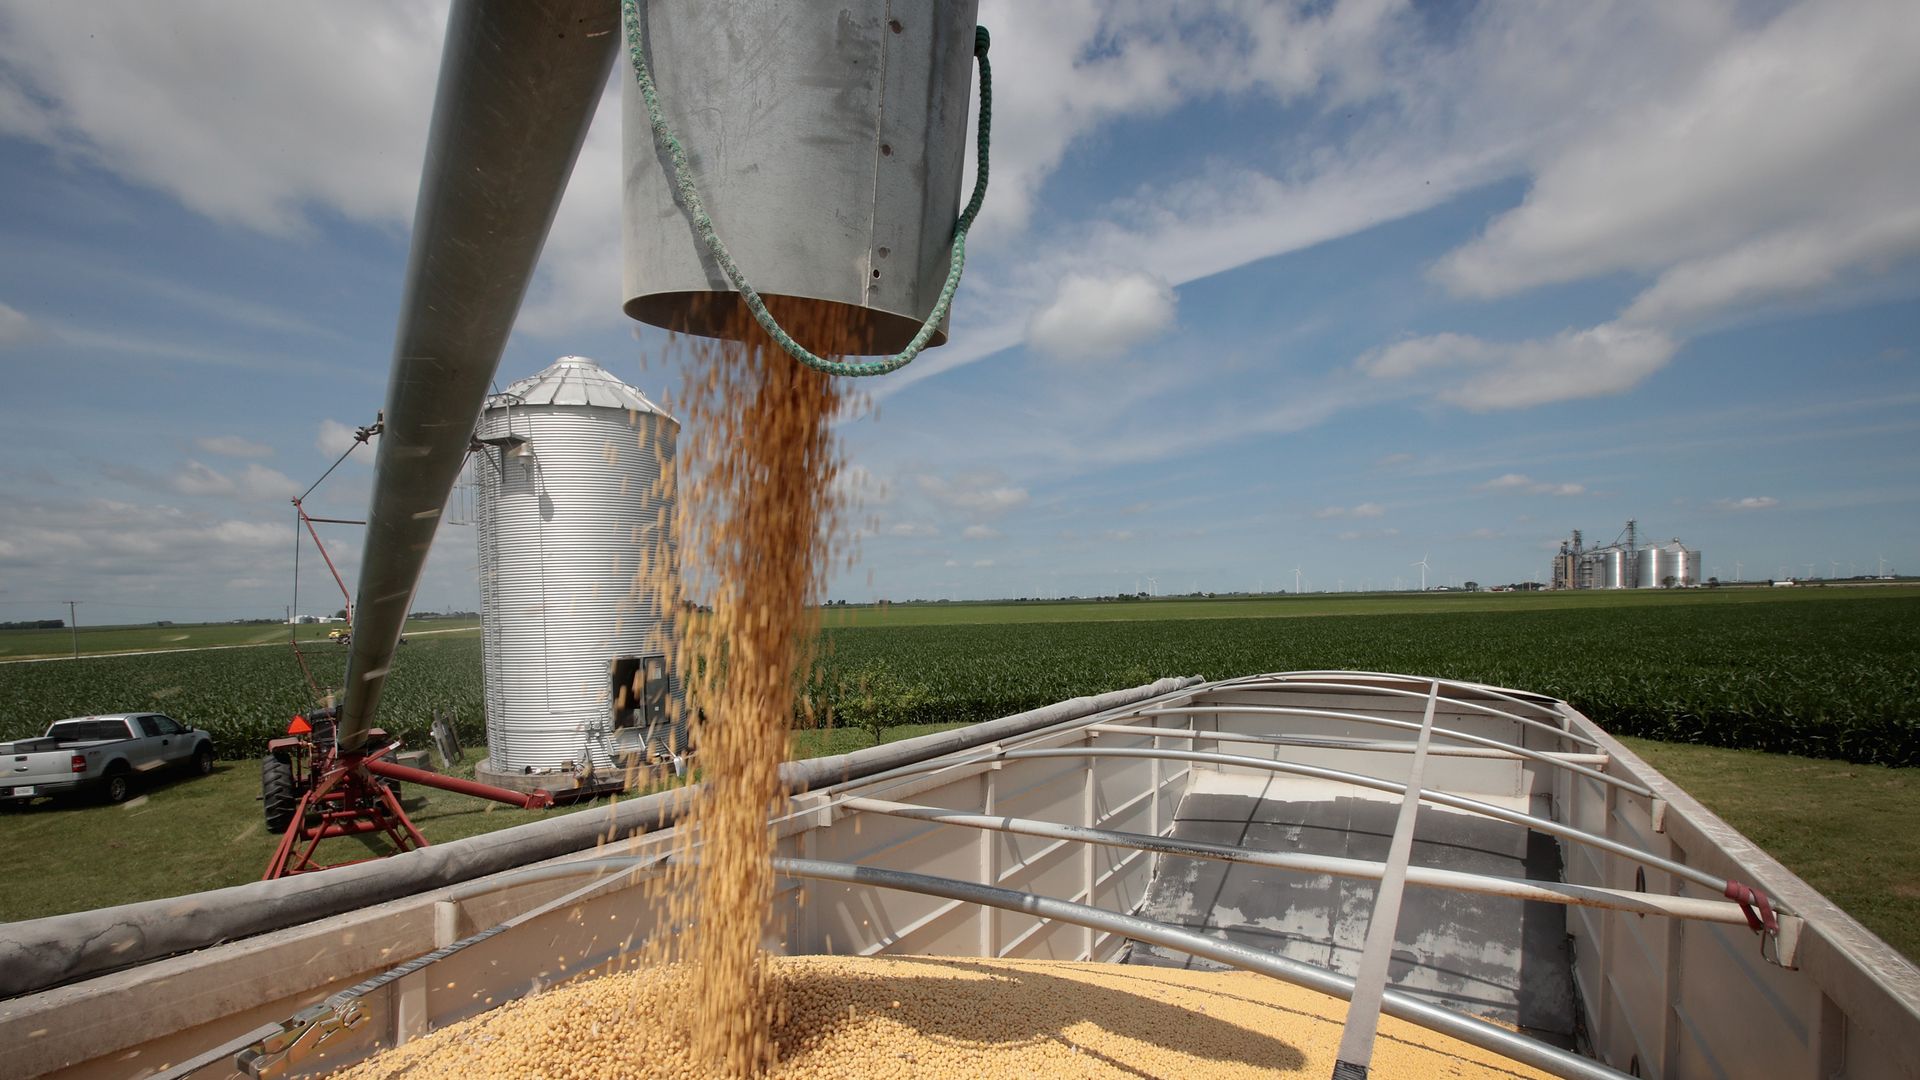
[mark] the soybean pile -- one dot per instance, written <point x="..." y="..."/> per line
<point x="895" y="1017"/>
<point x="1832" y="674"/>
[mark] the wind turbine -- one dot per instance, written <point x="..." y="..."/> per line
<point x="1296" y="580"/>
<point x="1422" y="564"/>
<point x="1737" y="564"/>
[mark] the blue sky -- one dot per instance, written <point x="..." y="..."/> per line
<point x="1259" y="286"/>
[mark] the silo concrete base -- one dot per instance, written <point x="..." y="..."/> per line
<point x="558" y="783"/>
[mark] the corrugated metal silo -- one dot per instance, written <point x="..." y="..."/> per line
<point x="1652" y="564"/>
<point x="1683" y="564"/>
<point x="570" y="504"/>
<point x="1609" y="568"/>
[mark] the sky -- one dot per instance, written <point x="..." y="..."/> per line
<point x="1262" y="293"/>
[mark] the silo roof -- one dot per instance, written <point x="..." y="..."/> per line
<point x="575" y="380"/>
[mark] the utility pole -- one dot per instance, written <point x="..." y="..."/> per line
<point x="73" y="626"/>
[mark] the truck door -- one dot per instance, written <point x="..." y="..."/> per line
<point x="147" y="751"/>
<point x="175" y="746"/>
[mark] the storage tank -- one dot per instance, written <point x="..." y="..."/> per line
<point x="1608" y="569"/>
<point x="1650" y="566"/>
<point x="1670" y="560"/>
<point x="573" y="497"/>
<point x="1683" y="565"/>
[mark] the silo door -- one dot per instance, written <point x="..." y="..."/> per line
<point x="639" y="691"/>
<point x="653" y="696"/>
<point x="627" y="684"/>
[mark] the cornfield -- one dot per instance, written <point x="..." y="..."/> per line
<point x="1834" y="678"/>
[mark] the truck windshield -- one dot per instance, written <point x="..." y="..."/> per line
<point x="88" y="730"/>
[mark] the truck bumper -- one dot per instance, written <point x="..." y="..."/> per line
<point x="10" y="790"/>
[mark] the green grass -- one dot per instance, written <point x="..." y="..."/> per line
<point x="1847" y="829"/>
<point x="820" y="742"/>
<point x="100" y="640"/>
<point x="188" y="834"/>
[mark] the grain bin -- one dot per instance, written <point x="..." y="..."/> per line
<point x="1650" y="565"/>
<point x="1609" y="568"/>
<point x="827" y="144"/>
<point x="1668" y="565"/>
<point x="573" y="498"/>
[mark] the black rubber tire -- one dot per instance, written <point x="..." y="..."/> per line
<point x="277" y="796"/>
<point x="203" y="761"/>
<point x="117" y="785"/>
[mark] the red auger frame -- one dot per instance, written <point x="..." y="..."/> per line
<point x="317" y="793"/>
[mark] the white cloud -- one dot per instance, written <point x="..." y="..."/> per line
<point x="149" y="94"/>
<point x="232" y="446"/>
<point x="260" y="482"/>
<point x="1093" y="317"/>
<point x="15" y="327"/>
<point x="912" y="528"/>
<point x="856" y="486"/>
<point x="334" y="437"/>
<point x="982" y="492"/>
<point x="1751" y="502"/>
<point x="1363" y="510"/>
<point x="981" y="532"/>
<point x="68" y="545"/>
<point x="1118" y="536"/>
<point x="1078" y="65"/>
<point x="1523" y="482"/>
<point x="1787" y="159"/>
<point x="197" y="479"/>
<point x="1481" y="375"/>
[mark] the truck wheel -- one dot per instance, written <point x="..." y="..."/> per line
<point x="117" y="785"/>
<point x="203" y="761"/>
<point x="276" y="792"/>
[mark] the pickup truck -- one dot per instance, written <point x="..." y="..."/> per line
<point x="101" y="754"/>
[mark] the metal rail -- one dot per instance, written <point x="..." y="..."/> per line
<point x="1332" y="742"/>
<point x="1439" y="798"/>
<point x="1549" y="892"/>
<point x="519" y="81"/>
<point x="1370" y="981"/>
<point x="1405" y="725"/>
<point x="1402" y="1006"/>
<point x="1518" y="697"/>
<point x="1394" y="691"/>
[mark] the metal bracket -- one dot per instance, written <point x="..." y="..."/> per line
<point x="300" y="1036"/>
<point x="1660" y="815"/>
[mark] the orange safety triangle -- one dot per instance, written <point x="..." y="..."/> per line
<point x="299" y="726"/>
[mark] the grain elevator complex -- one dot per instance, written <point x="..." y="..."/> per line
<point x="1625" y="564"/>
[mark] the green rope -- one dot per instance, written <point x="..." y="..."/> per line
<point x="696" y="209"/>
